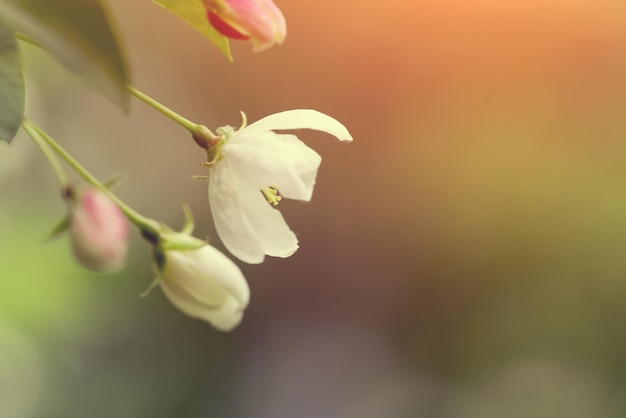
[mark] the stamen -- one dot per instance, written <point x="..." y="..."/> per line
<point x="244" y="121"/>
<point x="271" y="195"/>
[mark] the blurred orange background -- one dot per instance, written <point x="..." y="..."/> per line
<point x="463" y="257"/>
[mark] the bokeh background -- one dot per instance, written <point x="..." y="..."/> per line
<point x="464" y="257"/>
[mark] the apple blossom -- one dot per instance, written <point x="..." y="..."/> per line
<point x="259" y="21"/>
<point x="251" y="169"/>
<point x="98" y="231"/>
<point x="202" y="282"/>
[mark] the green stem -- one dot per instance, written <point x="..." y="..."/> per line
<point x="185" y="123"/>
<point x="142" y="222"/>
<point x="201" y="135"/>
<point x="52" y="158"/>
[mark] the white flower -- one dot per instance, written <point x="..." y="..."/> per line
<point x="205" y="284"/>
<point x="251" y="168"/>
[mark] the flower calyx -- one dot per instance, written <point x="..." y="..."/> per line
<point x="224" y="134"/>
<point x="163" y="239"/>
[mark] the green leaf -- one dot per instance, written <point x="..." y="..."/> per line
<point x="12" y="96"/>
<point x="58" y="229"/>
<point x="194" y="13"/>
<point x="79" y="35"/>
<point x="114" y="181"/>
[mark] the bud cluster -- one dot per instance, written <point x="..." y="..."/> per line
<point x="251" y="169"/>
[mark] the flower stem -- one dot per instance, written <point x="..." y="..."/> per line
<point x="38" y="135"/>
<point x="45" y="149"/>
<point x="201" y="135"/>
<point x="185" y="123"/>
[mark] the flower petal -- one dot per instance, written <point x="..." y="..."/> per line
<point x="269" y="226"/>
<point x="231" y="223"/>
<point x="298" y="119"/>
<point x="182" y="269"/>
<point x="269" y="159"/>
<point x="228" y="316"/>
<point x="224" y="317"/>
<point x="208" y="275"/>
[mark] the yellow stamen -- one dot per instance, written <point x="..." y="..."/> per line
<point x="244" y="121"/>
<point x="271" y="195"/>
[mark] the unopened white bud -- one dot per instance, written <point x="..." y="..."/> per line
<point x="205" y="284"/>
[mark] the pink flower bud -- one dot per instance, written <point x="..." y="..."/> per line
<point x="259" y="21"/>
<point x="98" y="232"/>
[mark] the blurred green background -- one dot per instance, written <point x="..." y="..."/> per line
<point x="462" y="258"/>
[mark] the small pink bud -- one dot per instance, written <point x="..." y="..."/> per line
<point x="259" y="21"/>
<point x="98" y="232"/>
